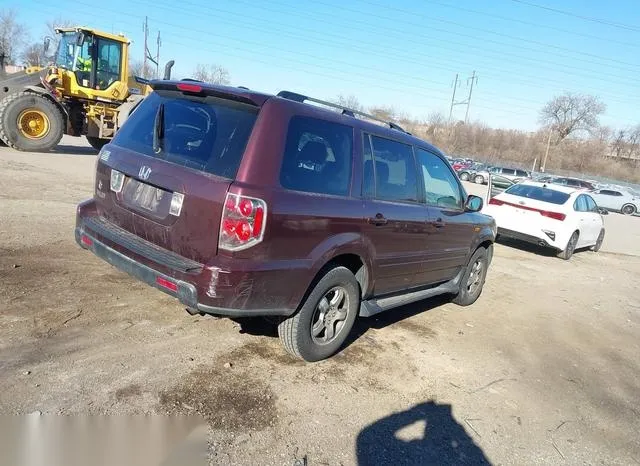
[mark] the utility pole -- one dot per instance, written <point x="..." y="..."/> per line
<point x="453" y="97"/>
<point x="546" y="154"/>
<point x="145" y="29"/>
<point x="473" y="79"/>
<point x="158" y="44"/>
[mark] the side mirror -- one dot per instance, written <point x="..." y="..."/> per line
<point x="603" y="211"/>
<point x="473" y="204"/>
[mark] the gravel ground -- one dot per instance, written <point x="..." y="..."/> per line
<point x="543" y="369"/>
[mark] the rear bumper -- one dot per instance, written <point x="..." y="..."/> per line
<point x="525" y="237"/>
<point x="203" y="288"/>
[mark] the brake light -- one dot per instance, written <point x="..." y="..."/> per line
<point x="86" y="240"/>
<point x="243" y="222"/>
<point x="553" y="215"/>
<point x="189" y="87"/>
<point x="494" y="201"/>
<point x="117" y="181"/>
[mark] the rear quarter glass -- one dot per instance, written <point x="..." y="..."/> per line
<point x="204" y="133"/>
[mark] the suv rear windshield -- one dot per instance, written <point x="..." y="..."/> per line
<point x="204" y="133"/>
<point x="538" y="193"/>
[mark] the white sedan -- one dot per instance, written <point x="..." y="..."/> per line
<point x="548" y="215"/>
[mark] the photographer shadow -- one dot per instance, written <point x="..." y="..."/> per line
<point x="432" y="437"/>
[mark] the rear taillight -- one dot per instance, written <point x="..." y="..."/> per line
<point x="494" y="201"/>
<point x="243" y="222"/>
<point x="553" y="215"/>
<point x="117" y="181"/>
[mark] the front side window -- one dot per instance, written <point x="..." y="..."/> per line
<point x="318" y="157"/>
<point x="440" y="185"/>
<point x="395" y="171"/>
<point x="108" y="65"/>
<point x="508" y="171"/>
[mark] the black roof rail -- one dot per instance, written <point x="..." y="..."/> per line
<point x="345" y="110"/>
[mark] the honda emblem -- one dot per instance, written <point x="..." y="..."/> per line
<point x="144" y="172"/>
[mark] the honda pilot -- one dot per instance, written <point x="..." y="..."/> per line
<point x="240" y="203"/>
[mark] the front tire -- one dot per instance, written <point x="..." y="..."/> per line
<point x="321" y="326"/>
<point x="570" y="248"/>
<point x="479" y="179"/>
<point x="97" y="143"/>
<point x="464" y="176"/>
<point x="473" y="278"/>
<point x="628" y="209"/>
<point x="596" y="247"/>
<point x="30" y="122"/>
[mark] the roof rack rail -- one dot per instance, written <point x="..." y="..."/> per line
<point x="345" y="110"/>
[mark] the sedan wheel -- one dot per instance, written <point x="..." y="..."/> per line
<point x="628" y="209"/>
<point x="479" y="179"/>
<point x="464" y="176"/>
<point x="571" y="247"/>
<point x="599" y="241"/>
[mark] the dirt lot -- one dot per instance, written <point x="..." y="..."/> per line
<point x="543" y="369"/>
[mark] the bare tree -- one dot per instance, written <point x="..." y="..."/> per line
<point x="214" y="74"/>
<point x="568" y="113"/>
<point x="385" y="113"/>
<point x="349" y="101"/>
<point x="33" y="55"/>
<point x="138" y="68"/>
<point x="13" y="35"/>
<point x="51" y="25"/>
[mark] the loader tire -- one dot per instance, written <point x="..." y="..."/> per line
<point x="97" y="143"/>
<point x="30" y="122"/>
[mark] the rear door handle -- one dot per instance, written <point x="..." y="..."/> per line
<point x="377" y="220"/>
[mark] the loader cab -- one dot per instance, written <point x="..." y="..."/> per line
<point x="94" y="63"/>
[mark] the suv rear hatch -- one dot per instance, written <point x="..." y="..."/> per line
<point x="165" y="175"/>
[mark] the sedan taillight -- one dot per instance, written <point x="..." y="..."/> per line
<point x="243" y="222"/>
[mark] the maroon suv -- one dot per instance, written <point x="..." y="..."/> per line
<point x="240" y="203"/>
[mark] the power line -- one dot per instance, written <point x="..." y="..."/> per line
<point x="586" y="18"/>
<point x="537" y="25"/>
<point x="432" y="64"/>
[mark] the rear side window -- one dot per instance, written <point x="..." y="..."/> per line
<point x="521" y="173"/>
<point x="394" y="169"/>
<point x="606" y="192"/>
<point x="206" y="134"/>
<point x="581" y="204"/>
<point x="508" y="171"/>
<point x="538" y="193"/>
<point x="318" y="157"/>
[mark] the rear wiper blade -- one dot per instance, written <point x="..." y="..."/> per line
<point x="158" y="131"/>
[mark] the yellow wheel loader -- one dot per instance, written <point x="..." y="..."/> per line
<point x="87" y="91"/>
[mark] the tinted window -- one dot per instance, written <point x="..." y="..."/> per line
<point x="591" y="204"/>
<point x="108" y="66"/>
<point x="508" y="171"/>
<point x="538" y="193"/>
<point x="610" y="193"/>
<point x="395" y="170"/>
<point x="440" y="185"/>
<point x="522" y="173"/>
<point x="575" y="183"/>
<point x="318" y="157"/>
<point x="368" y="177"/>
<point x="205" y="134"/>
<point x="581" y="204"/>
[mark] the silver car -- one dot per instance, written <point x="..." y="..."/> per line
<point x="617" y="200"/>
<point x="512" y="174"/>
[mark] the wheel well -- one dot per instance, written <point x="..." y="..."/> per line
<point x="354" y="263"/>
<point x="487" y="245"/>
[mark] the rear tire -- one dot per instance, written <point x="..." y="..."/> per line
<point x="479" y="179"/>
<point x="473" y="278"/>
<point x="596" y="247"/>
<point x="628" y="209"/>
<point x="302" y="334"/>
<point x="464" y="176"/>
<point x="570" y="247"/>
<point x="97" y="143"/>
<point x="30" y="122"/>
